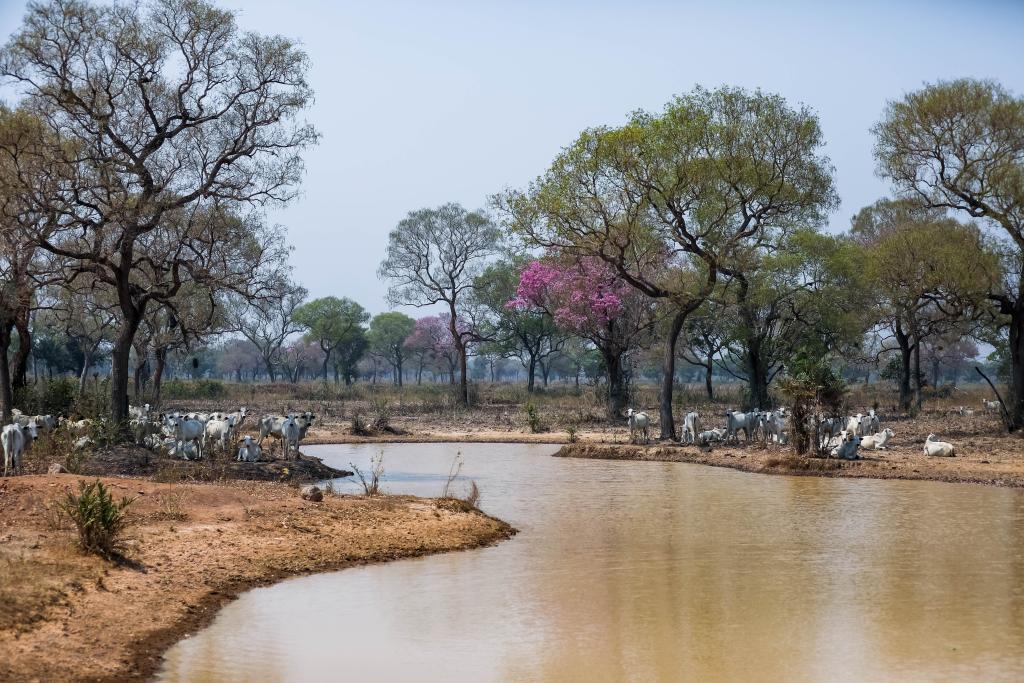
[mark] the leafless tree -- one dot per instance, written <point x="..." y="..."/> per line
<point x="433" y="257"/>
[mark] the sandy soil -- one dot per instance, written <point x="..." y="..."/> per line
<point x="192" y="547"/>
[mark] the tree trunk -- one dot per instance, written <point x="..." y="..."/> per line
<point x="918" y="399"/>
<point x="757" y="376"/>
<point x="463" y="375"/>
<point x="158" y="373"/>
<point x="616" y="386"/>
<point x="271" y="373"/>
<point x="84" y="374"/>
<point x="19" y="373"/>
<point x="531" y="373"/>
<point x="6" y="392"/>
<point x="138" y="380"/>
<point x="119" y="366"/>
<point x="398" y="369"/>
<point x="903" y="340"/>
<point x="709" y="370"/>
<point x="1016" y="407"/>
<point x="545" y="372"/>
<point x="668" y="377"/>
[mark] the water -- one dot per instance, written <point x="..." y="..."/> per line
<point x="630" y="571"/>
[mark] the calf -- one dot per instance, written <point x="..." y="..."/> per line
<point x="290" y="436"/>
<point x="248" y="451"/>
<point x="849" y="442"/>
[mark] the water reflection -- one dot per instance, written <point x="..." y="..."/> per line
<point x="652" y="571"/>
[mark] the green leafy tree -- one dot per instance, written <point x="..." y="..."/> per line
<point x="959" y="145"/>
<point x="337" y="326"/>
<point x="668" y="197"/>
<point x="388" y="332"/>
<point x="927" y="275"/>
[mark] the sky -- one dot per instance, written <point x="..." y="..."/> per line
<point x="421" y="103"/>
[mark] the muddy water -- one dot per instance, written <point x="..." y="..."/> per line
<point x="628" y="571"/>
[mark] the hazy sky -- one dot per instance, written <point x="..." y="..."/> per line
<point x="420" y="103"/>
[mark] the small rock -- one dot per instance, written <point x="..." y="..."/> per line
<point x="312" y="493"/>
<point x="56" y="468"/>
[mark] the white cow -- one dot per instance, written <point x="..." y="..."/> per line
<point x="990" y="406"/>
<point x="248" y="451"/>
<point x="14" y="440"/>
<point x="855" y="424"/>
<point x="965" y="412"/>
<point x="691" y="427"/>
<point x="872" y="423"/>
<point x="638" y="422"/>
<point x="711" y="435"/>
<point x="142" y="428"/>
<point x="80" y="427"/>
<point x="305" y="421"/>
<point x="186" y="430"/>
<point x="187" y="450"/>
<point x="221" y="432"/>
<point x="270" y="425"/>
<point x="773" y="425"/>
<point x="290" y="436"/>
<point x="139" y="413"/>
<point x="832" y="426"/>
<point x="735" y="421"/>
<point x="849" y="442"/>
<point x="941" y="449"/>
<point x="878" y="440"/>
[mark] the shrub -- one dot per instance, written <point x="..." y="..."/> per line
<point x="371" y="480"/>
<point x="382" y="418"/>
<point x="573" y="435"/>
<point x="99" y="520"/>
<point x="196" y="389"/>
<point x="47" y="397"/>
<point x="359" y="426"/>
<point x="532" y="417"/>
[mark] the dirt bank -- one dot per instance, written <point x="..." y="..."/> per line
<point x="897" y="463"/>
<point x="192" y="547"/>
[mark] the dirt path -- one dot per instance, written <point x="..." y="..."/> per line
<point x="67" y="616"/>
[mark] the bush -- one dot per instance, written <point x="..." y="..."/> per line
<point x="371" y="480"/>
<point x="47" y="397"/>
<point x="382" y="419"/>
<point x="814" y="391"/>
<point x="99" y="520"/>
<point x="532" y="417"/>
<point x="196" y="389"/>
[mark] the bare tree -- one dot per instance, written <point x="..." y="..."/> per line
<point x="268" y="322"/>
<point x="433" y="257"/>
<point x="155" y="114"/>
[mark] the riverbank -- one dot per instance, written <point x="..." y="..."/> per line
<point x="996" y="469"/>
<point x="191" y="548"/>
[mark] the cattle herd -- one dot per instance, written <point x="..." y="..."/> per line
<point x="189" y="436"/>
<point x="840" y="437"/>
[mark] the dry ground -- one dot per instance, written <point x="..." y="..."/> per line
<point x="193" y="547"/>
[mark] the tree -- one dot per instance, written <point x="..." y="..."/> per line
<point x="588" y="298"/>
<point x="162" y="121"/>
<point x="927" y="275"/>
<point x="526" y="332"/>
<point x="87" y="315"/>
<point x="333" y="323"/>
<point x="703" y="340"/>
<point x="268" y="322"/>
<point x="387" y="336"/>
<point x="433" y="257"/>
<point x="666" y="198"/>
<point x="959" y="145"/>
<point x="238" y="356"/>
<point x="431" y="344"/>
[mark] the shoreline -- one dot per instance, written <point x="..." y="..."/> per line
<point x="69" y="616"/>
<point x="906" y="462"/>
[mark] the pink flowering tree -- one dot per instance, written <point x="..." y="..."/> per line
<point x="430" y="344"/>
<point x="585" y="296"/>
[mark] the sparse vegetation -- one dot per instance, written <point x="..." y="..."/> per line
<point x="370" y="480"/>
<point x="98" y="518"/>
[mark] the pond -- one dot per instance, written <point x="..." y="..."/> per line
<point x="646" y="571"/>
